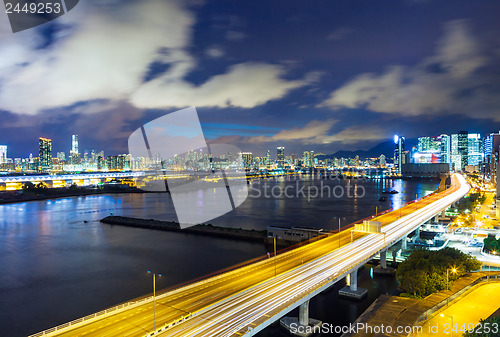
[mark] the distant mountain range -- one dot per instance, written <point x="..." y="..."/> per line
<point x="386" y="148"/>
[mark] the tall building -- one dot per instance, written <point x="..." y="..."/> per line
<point x="491" y="149"/>
<point x="280" y="157"/>
<point x="268" y="158"/>
<point x="308" y="159"/>
<point x="399" y="153"/>
<point x="3" y="154"/>
<point x="45" y="154"/>
<point x="247" y="158"/>
<point x="382" y="162"/>
<point x="475" y="153"/>
<point x="463" y="148"/>
<point x="74" y="154"/>
<point x="455" y="157"/>
<point x="74" y="143"/>
<point x="445" y="148"/>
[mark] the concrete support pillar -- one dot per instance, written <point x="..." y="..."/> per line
<point x="351" y="290"/>
<point x="353" y="280"/>
<point x="436" y="218"/>
<point x="304" y="313"/>
<point x="383" y="259"/>
<point x="394" y="254"/>
<point x="404" y="242"/>
<point x="417" y="232"/>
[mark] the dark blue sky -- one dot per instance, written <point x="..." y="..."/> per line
<point x="322" y="75"/>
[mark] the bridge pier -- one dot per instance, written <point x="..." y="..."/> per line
<point x="417" y="232"/>
<point x="351" y="290"/>
<point x="304" y="313"/>
<point x="382" y="269"/>
<point x="404" y="242"/>
<point x="302" y="326"/>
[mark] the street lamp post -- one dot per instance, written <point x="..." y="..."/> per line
<point x="453" y="270"/>
<point x="339" y="227"/>
<point x="275" y="256"/>
<point x="154" y="298"/>
<point x="451" y="328"/>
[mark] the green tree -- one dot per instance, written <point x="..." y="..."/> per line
<point x="491" y="244"/>
<point x="424" y="272"/>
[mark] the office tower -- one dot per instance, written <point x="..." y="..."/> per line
<point x="455" y="157"/>
<point x="61" y="156"/>
<point x="247" y="158"/>
<point x="45" y="154"/>
<point x="491" y="145"/>
<point x="74" y="154"/>
<point x="308" y="158"/>
<point x="74" y="143"/>
<point x="268" y="158"/>
<point x="399" y="153"/>
<point x="445" y="148"/>
<point x="112" y="162"/>
<point x="382" y="162"/>
<point x="280" y="157"/>
<point x="3" y="154"/>
<point x="463" y="148"/>
<point x="475" y="155"/>
<point x="356" y="161"/>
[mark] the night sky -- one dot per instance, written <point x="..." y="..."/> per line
<point x="308" y="75"/>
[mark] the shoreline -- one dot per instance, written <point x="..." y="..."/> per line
<point x="15" y="197"/>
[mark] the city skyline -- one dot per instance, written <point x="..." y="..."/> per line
<point x="463" y="151"/>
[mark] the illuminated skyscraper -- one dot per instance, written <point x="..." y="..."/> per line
<point x="308" y="159"/>
<point x="475" y="155"/>
<point x="247" y="158"/>
<point x="399" y="153"/>
<point x="463" y="148"/>
<point x="268" y="158"/>
<point x="382" y="160"/>
<point x="74" y="155"/>
<point x="491" y="150"/>
<point x="74" y="143"/>
<point x="445" y="148"/>
<point x="3" y="154"/>
<point x="280" y="157"/>
<point x="45" y="154"/>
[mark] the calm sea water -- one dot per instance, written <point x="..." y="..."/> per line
<point x="58" y="262"/>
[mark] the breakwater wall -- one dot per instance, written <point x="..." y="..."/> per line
<point x="203" y="229"/>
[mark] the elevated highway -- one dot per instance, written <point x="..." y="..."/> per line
<point x="243" y="301"/>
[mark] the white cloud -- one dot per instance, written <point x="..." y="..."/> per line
<point x="104" y="55"/>
<point x="449" y="82"/>
<point x="310" y="133"/>
<point x="244" y="85"/>
<point x="214" y="52"/>
<point x="314" y="133"/>
<point x="103" y="52"/>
